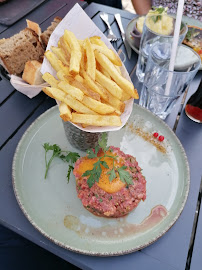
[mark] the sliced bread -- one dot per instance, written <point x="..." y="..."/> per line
<point x="18" y="49"/>
<point x="47" y="33"/>
<point x="2" y="40"/>
<point x="34" y="26"/>
<point x="32" y="73"/>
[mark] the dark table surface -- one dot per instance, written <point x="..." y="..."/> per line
<point x="180" y="248"/>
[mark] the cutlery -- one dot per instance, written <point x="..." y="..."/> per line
<point x="119" y="22"/>
<point x="111" y="36"/>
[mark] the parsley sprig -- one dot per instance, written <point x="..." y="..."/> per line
<point x="95" y="173"/>
<point x="66" y="156"/>
<point x="158" y="10"/>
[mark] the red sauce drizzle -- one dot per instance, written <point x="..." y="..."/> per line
<point x="122" y="229"/>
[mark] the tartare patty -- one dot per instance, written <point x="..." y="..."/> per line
<point x="110" y="198"/>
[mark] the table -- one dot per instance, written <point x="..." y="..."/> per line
<point x="180" y="248"/>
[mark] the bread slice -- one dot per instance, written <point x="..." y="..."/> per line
<point x="34" y="26"/>
<point x="47" y="33"/>
<point x="32" y="73"/>
<point x="18" y="49"/>
<point x="2" y="40"/>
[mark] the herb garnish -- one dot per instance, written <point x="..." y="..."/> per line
<point x="159" y="10"/>
<point x="95" y="173"/>
<point x="70" y="157"/>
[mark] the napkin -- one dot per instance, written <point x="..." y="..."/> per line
<point x="82" y="26"/>
<point x="29" y="90"/>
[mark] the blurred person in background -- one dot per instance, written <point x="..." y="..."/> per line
<point x="192" y="8"/>
<point x="111" y="3"/>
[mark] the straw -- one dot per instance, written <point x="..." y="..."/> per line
<point x="175" y="44"/>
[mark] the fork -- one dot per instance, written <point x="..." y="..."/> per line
<point x="111" y="36"/>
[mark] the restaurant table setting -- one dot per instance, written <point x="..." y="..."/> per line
<point x="163" y="232"/>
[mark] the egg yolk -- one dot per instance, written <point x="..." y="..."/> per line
<point x="110" y="187"/>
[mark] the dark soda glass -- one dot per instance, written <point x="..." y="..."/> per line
<point x="193" y="107"/>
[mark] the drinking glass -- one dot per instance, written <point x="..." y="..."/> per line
<point x="155" y="94"/>
<point x="157" y="28"/>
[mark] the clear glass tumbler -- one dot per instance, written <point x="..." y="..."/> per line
<point x="155" y="95"/>
<point x="157" y="28"/>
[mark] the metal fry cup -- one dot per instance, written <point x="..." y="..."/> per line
<point x="80" y="139"/>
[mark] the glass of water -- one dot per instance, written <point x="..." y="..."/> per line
<point x="155" y="95"/>
<point x="157" y="28"/>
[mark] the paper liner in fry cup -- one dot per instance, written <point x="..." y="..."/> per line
<point x="29" y="90"/>
<point x="82" y="26"/>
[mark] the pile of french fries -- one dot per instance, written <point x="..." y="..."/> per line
<point x="89" y="84"/>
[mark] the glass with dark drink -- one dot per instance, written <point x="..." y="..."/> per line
<point x="193" y="107"/>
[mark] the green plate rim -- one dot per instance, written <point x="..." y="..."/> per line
<point x="92" y="253"/>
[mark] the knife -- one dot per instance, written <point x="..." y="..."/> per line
<point x="123" y="35"/>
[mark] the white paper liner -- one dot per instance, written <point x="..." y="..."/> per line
<point x="82" y="26"/>
<point x="29" y="90"/>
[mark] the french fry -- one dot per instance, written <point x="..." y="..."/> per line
<point x="118" y="69"/>
<point x="68" y="77"/>
<point x="116" y="103"/>
<point x="112" y="56"/>
<point x="102" y="70"/>
<point x="74" y="78"/>
<point x="64" y="47"/>
<point x="75" y="58"/>
<point x="97" y="106"/>
<point x="67" y="99"/>
<point x="48" y="92"/>
<point x="92" y="85"/>
<point x="65" y="69"/>
<point x="65" y="112"/>
<point x="110" y="85"/>
<point x="81" y="42"/>
<point x="79" y="78"/>
<point x="71" y="90"/>
<point x="62" y="75"/>
<point x="96" y="120"/>
<point x="121" y="81"/>
<point x="54" y="61"/>
<point x="91" y="64"/>
<point x="54" y="93"/>
<point x="77" y="105"/>
<point x="90" y="88"/>
<point x="83" y="61"/>
<point x="86" y="90"/>
<point x="60" y="55"/>
<point x="50" y="79"/>
<point x="125" y="96"/>
<point x="97" y="41"/>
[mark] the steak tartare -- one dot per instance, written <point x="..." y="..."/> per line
<point x="106" y="197"/>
